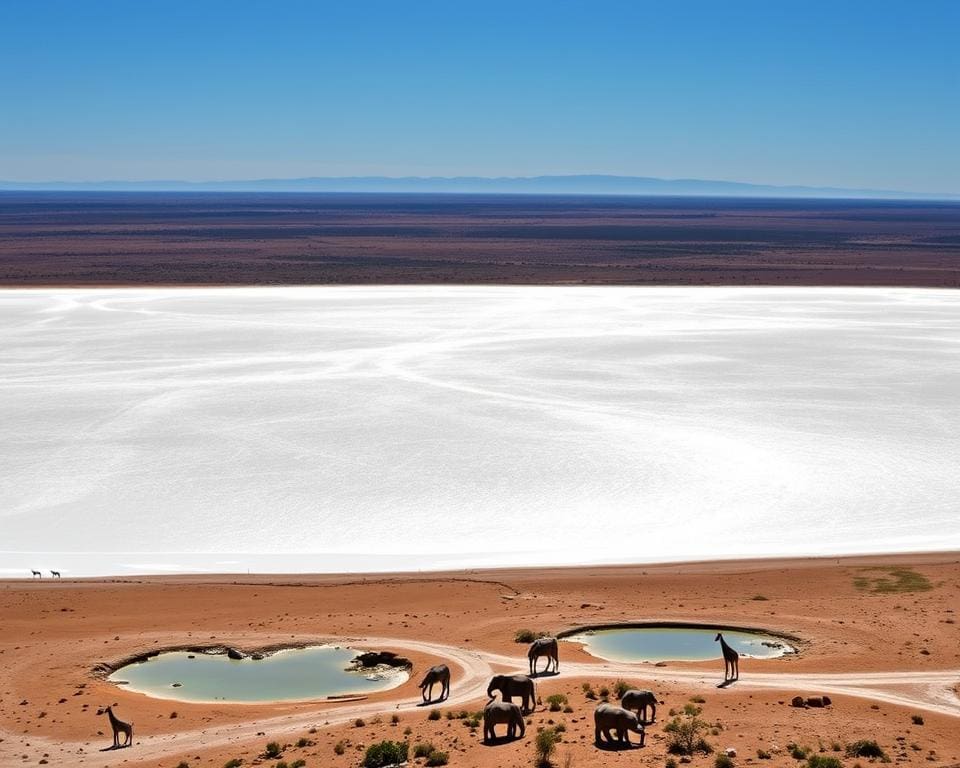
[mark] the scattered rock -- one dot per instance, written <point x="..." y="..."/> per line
<point x="797" y="701"/>
<point x="233" y="653"/>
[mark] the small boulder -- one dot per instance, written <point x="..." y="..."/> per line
<point x="233" y="653"/>
<point x="797" y="701"/>
<point x="730" y="752"/>
<point x="815" y="701"/>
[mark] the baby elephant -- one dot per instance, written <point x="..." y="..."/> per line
<point x="638" y="701"/>
<point x="608" y="718"/>
<point x="499" y="713"/>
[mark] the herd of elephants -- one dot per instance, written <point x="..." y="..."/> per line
<point x="612" y="724"/>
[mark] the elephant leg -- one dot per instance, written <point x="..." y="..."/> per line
<point x="653" y="713"/>
<point x="596" y="734"/>
<point x="487" y="732"/>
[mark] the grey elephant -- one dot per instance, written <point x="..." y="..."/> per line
<point x="637" y="701"/>
<point x="511" y="686"/>
<point x="608" y="717"/>
<point x="502" y="713"/>
<point x="439" y="674"/>
<point x="544" y="646"/>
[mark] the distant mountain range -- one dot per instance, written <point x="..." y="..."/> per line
<point x="544" y="185"/>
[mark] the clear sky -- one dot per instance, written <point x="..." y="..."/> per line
<point x="842" y="93"/>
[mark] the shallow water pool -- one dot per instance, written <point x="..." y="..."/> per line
<point x="292" y="674"/>
<point x="676" y="644"/>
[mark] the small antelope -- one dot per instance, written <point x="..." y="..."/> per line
<point x="37" y="574"/>
<point x="54" y="574"/>
<point x="118" y="727"/>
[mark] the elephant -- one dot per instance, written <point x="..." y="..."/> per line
<point x="514" y="685"/>
<point x="544" y="646"/>
<point x="637" y="701"/>
<point x="438" y="674"/>
<point x="502" y="712"/>
<point x="608" y="717"/>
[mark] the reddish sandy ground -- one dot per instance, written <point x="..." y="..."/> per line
<point x="882" y="657"/>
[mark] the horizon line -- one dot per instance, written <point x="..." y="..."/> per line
<point x="545" y="184"/>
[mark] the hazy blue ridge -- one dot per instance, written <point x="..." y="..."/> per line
<point x="559" y="185"/>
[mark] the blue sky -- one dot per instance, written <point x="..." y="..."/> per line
<point x="857" y="94"/>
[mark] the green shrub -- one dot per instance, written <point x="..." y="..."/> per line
<point x="434" y="714"/>
<point x="797" y="752"/>
<point x="763" y="754"/>
<point x="604" y="692"/>
<point x="916" y="719"/>
<point x="621" y="687"/>
<point x="723" y="760"/>
<point x="527" y="636"/>
<point x="183" y="764"/>
<point x="437" y="758"/>
<point x="340" y="747"/>
<point x="385" y="753"/>
<point x="823" y="761"/>
<point x="303" y="741"/>
<point x="865" y="748"/>
<point x="358" y="723"/>
<point x="234" y="763"/>
<point x="556" y="701"/>
<point x="671" y="763"/>
<point x="273" y="750"/>
<point x="546" y="745"/>
<point x="423" y="748"/>
<point x="692" y="710"/>
<point x="686" y="736"/>
<point x="300" y="763"/>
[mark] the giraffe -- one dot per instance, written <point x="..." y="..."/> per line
<point x="37" y="574"/>
<point x="731" y="660"/>
<point x="54" y="574"/>
<point x="118" y="727"/>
